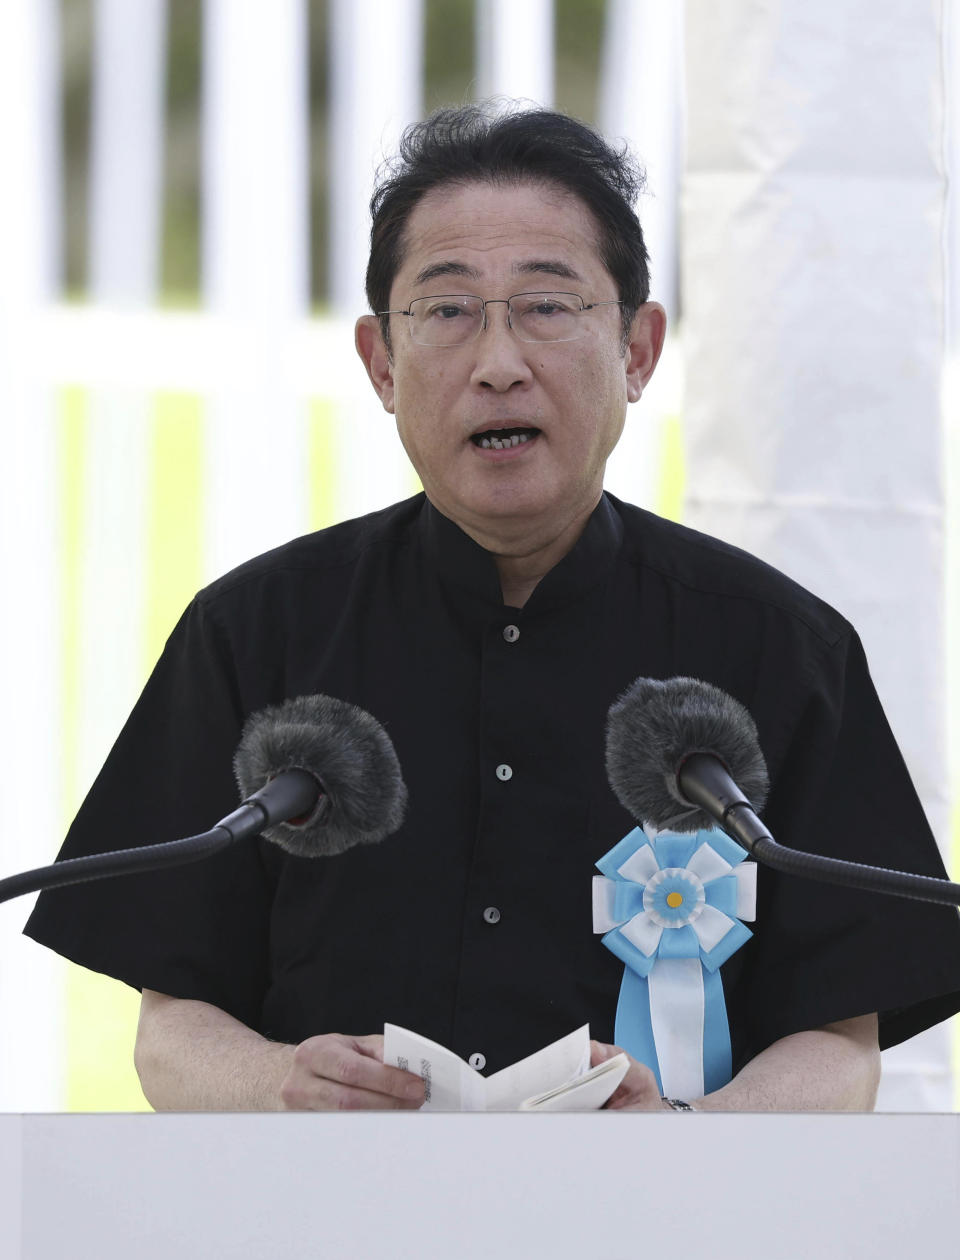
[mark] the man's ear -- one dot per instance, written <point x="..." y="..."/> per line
<point x="376" y="358"/>
<point x="643" y="349"/>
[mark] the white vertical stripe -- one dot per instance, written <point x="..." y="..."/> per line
<point x="376" y="68"/>
<point x="255" y="260"/>
<point x="951" y="66"/>
<point x="515" y="49"/>
<point x="255" y="243"/>
<point x="676" y="1016"/>
<point x="951" y="391"/>
<point x="813" y="305"/>
<point x="126" y="162"/>
<point x="376" y="65"/>
<point x="641" y="101"/>
<point x="31" y="1037"/>
<point x="112" y="572"/>
<point x="126" y="153"/>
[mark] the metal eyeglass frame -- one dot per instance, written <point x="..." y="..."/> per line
<point x="484" y="303"/>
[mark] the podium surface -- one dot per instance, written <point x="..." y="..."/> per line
<point x="462" y="1187"/>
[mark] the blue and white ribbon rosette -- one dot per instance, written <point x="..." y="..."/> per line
<point x="671" y="907"/>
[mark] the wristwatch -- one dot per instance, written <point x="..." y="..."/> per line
<point x="678" y="1104"/>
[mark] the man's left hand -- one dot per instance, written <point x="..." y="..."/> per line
<point x="638" y="1091"/>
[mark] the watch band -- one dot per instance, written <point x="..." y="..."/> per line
<point x="678" y="1104"/>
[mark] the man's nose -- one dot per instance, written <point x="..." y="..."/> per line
<point x="501" y="357"/>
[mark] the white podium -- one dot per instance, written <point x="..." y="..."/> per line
<point x="456" y="1187"/>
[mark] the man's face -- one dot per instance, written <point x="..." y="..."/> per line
<point x="567" y="398"/>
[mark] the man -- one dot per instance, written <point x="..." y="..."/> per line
<point x="489" y="626"/>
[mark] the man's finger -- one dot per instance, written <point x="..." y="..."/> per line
<point x="371" y="1045"/>
<point x="319" y="1094"/>
<point x="341" y="1060"/>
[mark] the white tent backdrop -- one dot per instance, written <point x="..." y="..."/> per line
<point x="812" y="304"/>
<point x="813" y="322"/>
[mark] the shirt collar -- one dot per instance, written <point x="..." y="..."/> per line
<point x="463" y="563"/>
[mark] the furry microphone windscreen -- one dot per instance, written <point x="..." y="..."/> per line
<point x="655" y="725"/>
<point x="347" y="751"/>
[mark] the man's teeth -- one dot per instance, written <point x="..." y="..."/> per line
<point x="501" y="444"/>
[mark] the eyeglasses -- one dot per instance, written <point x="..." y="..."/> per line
<point x="454" y="319"/>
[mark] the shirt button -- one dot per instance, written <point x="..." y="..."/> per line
<point x="491" y="914"/>
<point x="477" y="1061"/>
<point x="504" y="773"/>
<point x="511" y="633"/>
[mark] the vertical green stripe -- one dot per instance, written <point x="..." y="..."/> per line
<point x="672" y="470"/>
<point x="321" y="461"/>
<point x="101" y="1014"/>
<point x="174" y="557"/>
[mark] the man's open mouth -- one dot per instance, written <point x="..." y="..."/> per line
<point x="501" y="439"/>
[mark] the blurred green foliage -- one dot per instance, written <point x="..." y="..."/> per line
<point x="449" y="78"/>
<point x="75" y="41"/>
<point x="180" y="260"/>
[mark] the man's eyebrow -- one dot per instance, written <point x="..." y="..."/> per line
<point x="533" y="267"/>
<point x="447" y="268"/>
<point x="547" y="267"/>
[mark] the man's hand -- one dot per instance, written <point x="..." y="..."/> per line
<point x="834" y="1068"/>
<point x="638" y="1091"/>
<point x="192" y="1056"/>
<point x="338" y="1073"/>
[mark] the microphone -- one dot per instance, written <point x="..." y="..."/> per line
<point x="684" y="755"/>
<point x="656" y="725"/>
<point x="346" y="764"/>
<point x="319" y="776"/>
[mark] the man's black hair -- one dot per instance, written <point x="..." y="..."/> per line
<point x="479" y="143"/>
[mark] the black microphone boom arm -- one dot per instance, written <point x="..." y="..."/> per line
<point x="703" y="780"/>
<point x="291" y="793"/>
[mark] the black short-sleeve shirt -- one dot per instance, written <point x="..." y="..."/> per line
<point x="472" y="924"/>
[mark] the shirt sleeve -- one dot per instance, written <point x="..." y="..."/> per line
<point x="200" y="930"/>
<point x="825" y="952"/>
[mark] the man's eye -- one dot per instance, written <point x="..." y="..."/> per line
<point x="546" y="307"/>
<point x="446" y="312"/>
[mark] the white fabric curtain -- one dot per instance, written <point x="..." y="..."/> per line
<point x="813" y="312"/>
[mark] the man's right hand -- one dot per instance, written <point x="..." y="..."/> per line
<point x="193" y="1056"/>
<point x="334" y="1072"/>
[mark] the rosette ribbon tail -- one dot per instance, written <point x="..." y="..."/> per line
<point x="670" y="908"/>
<point x="687" y="1008"/>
